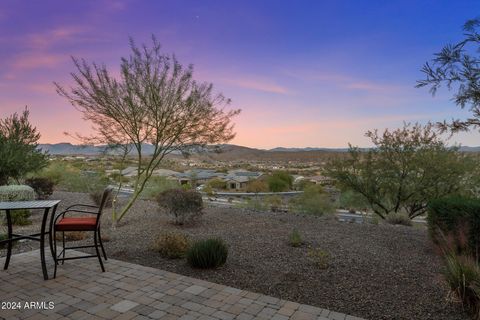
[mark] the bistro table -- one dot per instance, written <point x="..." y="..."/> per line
<point x="49" y="206"/>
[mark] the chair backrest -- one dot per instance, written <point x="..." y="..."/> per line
<point x="105" y="197"/>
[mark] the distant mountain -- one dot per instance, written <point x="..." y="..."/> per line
<point x="87" y="150"/>
<point x="222" y="151"/>
<point x="469" y="149"/>
<point x="282" y="149"/>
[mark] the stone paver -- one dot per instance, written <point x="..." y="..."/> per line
<point x="129" y="291"/>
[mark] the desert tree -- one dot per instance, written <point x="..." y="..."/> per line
<point x="457" y="66"/>
<point x="405" y="169"/>
<point x="154" y="100"/>
<point x="19" y="153"/>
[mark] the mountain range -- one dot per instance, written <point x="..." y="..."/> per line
<point x="71" y="149"/>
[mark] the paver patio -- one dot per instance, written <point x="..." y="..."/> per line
<point x="130" y="291"/>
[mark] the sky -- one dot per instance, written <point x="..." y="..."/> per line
<point x="305" y="73"/>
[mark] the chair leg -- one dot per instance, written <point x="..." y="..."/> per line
<point x="63" y="241"/>
<point x="98" y="252"/>
<point x="55" y="253"/>
<point x="101" y="244"/>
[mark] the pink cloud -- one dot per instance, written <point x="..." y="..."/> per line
<point x="258" y="85"/>
<point x="371" y="86"/>
<point x="46" y="39"/>
<point x="343" y="81"/>
<point x="37" y="60"/>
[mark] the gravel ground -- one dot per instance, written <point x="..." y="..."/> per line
<point x="375" y="271"/>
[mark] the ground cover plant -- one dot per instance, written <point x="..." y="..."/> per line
<point x="207" y="254"/>
<point x="295" y="238"/>
<point x="171" y="244"/>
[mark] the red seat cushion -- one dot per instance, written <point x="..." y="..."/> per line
<point x="76" y="224"/>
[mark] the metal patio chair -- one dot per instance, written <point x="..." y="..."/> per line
<point x="89" y="221"/>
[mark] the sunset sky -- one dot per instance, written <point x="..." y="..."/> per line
<point x="304" y="73"/>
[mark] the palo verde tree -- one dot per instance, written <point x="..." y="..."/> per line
<point x="457" y="66"/>
<point x="156" y="101"/>
<point x="19" y="154"/>
<point x="405" y="169"/>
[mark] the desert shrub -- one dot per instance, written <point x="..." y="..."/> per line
<point x="172" y="245"/>
<point x="67" y="177"/>
<point x="463" y="277"/>
<point x="399" y="218"/>
<point x="208" y="190"/>
<point x="55" y="171"/>
<point x="157" y="185"/>
<point x="458" y="218"/>
<point x="280" y="181"/>
<point x="217" y="184"/>
<point x="352" y="201"/>
<point x="319" y="257"/>
<point x="207" y="254"/>
<point x="256" y="186"/>
<point x="16" y="193"/>
<point x="374" y="219"/>
<point x="295" y="238"/>
<point x="183" y="206"/>
<point x="20" y="217"/>
<point x="303" y="184"/>
<point x="43" y="186"/>
<point x="313" y="201"/>
<point x="275" y="203"/>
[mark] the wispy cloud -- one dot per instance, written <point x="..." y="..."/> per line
<point x="258" y="85"/>
<point x="36" y="60"/>
<point x="44" y="40"/>
<point x="344" y="81"/>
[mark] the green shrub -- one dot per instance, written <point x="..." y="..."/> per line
<point x="183" y="206"/>
<point x="67" y="177"/>
<point x="20" y="217"/>
<point x="280" y="181"/>
<point x="16" y="193"/>
<point x="463" y="276"/>
<point x="374" y="219"/>
<point x="43" y="186"/>
<point x="158" y="185"/>
<point x="313" y="201"/>
<point x="217" y="184"/>
<point x="295" y="238"/>
<point x="55" y="171"/>
<point x="458" y="218"/>
<point x="353" y="201"/>
<point x="399" y="218"/>
<point x="319" y="257"/>
<point x="207" y="254"/>
<point x="172" y="245"/>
